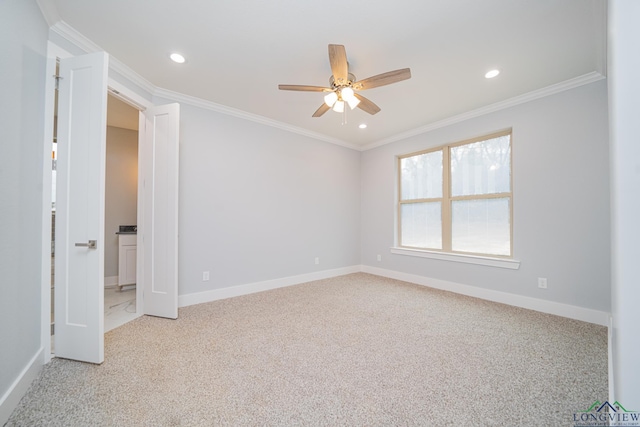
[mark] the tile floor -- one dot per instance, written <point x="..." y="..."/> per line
<point x="119" y="306"/>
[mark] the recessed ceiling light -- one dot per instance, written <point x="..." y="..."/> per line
<point x="491" y="74"/>
<point x="362" y="126"/>
<point x="176" y="57"/>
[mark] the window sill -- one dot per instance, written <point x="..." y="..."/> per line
<point x="510" y="264"/>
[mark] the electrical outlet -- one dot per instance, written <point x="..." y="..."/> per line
<point x="542" y="282"/>
<point x="205" y="276"/>
<point x="317" y="260"/>
<point x="379" y="257"/>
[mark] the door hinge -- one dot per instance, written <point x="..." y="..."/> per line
<point x="57" y="81"/>
<point x="53" y="329"/>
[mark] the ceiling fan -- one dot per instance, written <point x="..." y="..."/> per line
<point x="343" y="85"/>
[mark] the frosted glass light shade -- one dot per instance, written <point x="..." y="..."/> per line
<point x="338" y="107"/>
<point x="330" y="99"/>
<point x="349" y="97"/>
<point x="353" y="102"/>
<point x="347" y="93"/>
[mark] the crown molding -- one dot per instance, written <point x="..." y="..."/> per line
<point x="527" y="97"/>
<point x="209" y="105"/>
<point x="70" y="34"/>
<point x="73" y="36"/>
<point x="135" y="78"/>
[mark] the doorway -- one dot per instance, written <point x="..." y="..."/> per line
<point x="81" y="128"/>
<point x="121" y="201"/>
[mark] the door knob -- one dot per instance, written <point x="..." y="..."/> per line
<point x="91" y="244"/>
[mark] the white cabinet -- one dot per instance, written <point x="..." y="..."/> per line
<point x="127" y="254"/>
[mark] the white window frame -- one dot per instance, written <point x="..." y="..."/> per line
<point x="447" y="253"/>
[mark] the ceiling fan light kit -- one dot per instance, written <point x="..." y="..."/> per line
<point x="343" y="85"/>
<point x="330" y="99"/>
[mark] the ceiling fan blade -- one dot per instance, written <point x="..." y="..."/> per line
<point x="339" y="65"/>
<point x="367" y="105"/>
<point x="304" y="88"/>
<point x="383" y="79"/>
<point x="320" y="111"/>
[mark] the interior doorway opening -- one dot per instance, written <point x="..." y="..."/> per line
<point x="83" y="90"/>
<point x="121" y="202"/>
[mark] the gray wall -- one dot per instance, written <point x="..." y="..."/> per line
<point x="560" y="200"/>
<point x="258" y="203"/>
<point x="121" y="190"/>
<point x="23" y="44"/>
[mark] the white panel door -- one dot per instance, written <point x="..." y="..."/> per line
<point x="79" y="264"/>
<point x="158" y="211"/>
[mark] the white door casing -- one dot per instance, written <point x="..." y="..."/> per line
<point x="158" y="210"/>
<point x="79" y="270"/>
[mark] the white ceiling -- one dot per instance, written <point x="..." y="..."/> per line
<point x="239" y="51"/>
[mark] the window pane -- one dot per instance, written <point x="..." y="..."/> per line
<point x="421" y="176"/>
<point x="481" y="167"/>
<point x="481" y="226"/>
<point x="422" y="225"/>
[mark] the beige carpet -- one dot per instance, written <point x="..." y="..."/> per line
<point x="357" y="350"/>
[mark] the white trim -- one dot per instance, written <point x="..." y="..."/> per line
<point x="511" y="264"/>
<point x="70" y="34"/>
<point x="9" y="401"/>
<point x="135" y="78"/>
<point x="73" y="36"/>
<point x="612" y="388"/>
<point x="209" y="105"/>
<point x="142" y="123"/>
<point x="544" y="306"/>
<point x="53" y="51"/>
<point x="250" y="288"/>
<point x="45" y="249"/>
<point x="512" y="102"/>
<point x="536" y="304"/>
<point x="126" y="95"/>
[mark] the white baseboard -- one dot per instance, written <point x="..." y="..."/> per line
<point x="612" y="387"/>
<point x="544" y="306"/>
<point x="110" y="281"/>
<point x="11" y="398"/>
<point x="250" y="288"/>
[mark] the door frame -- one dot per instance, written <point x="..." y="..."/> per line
<point x="123" y="93"/>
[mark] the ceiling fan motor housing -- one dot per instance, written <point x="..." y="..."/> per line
<point x="350" y="80"/>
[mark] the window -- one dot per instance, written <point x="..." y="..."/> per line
<point x="457" y="198"/>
